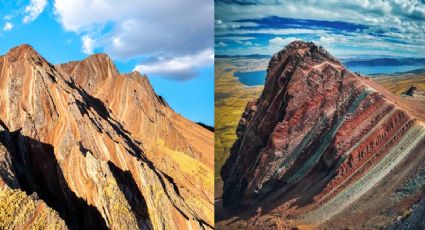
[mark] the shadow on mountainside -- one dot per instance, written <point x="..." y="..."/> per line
<point x="134" y="197"/>
<point x="38" y="172"/>
<point x="90" y="102"/>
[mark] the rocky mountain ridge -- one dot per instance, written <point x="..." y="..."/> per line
<point x="85" y="147"/>
<point x="319" y="142"/>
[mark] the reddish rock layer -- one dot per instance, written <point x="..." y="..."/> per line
<point x="76" y="154"/>
<point x="131" y="98"/>
<point x="318" y="138"/>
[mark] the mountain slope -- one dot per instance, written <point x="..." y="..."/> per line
<point x="140" y="111"/>
<point x="78" y="156"/>
<point x="319" y="142"/>
<point x="174" y="144"/>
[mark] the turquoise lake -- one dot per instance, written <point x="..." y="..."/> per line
<point x="254" y="78"/>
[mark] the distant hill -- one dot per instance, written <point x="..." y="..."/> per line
<point x="410" y="72"/>
<point x="416" y="71"/>
<point x="386" y="62"/>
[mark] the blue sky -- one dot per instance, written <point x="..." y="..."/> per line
<point x="167" y="40"/>
<point x="348" y="29"/>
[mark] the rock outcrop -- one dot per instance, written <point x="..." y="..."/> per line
<point x="414" y="93"/>
<point x="411" y="91"/>
<point x="320" y="141"/>
<point x="84" y="147"/>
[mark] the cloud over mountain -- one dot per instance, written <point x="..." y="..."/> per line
<point x="164" y="30"/>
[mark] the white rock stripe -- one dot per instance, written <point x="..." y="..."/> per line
<point x="342" y="200"/>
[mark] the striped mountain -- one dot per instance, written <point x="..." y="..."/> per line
<point x="84" y="147"/>
<point x="324" y="148"/>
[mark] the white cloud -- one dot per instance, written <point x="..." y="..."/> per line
<point x="7" y="26"/>
<point x="281" y="42"/>
<point x="390" y="27"/>
<point x="220" y="25"/>
<point x="270" y="31"/>
<point x="33" y="10"/>
<point x="88" y="44"/>
<point x="275" y="44"/>
<point x="142" y="28"/>
<point x="235" y="38"/>
<point x="360" y="11"/>
<point x="178" y="68"/>
<point x="221" y="44"/>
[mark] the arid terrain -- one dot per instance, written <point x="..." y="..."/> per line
<point x="321" y="148"/>
<point x="85" y="147"/>
<point x="230" y="101"/>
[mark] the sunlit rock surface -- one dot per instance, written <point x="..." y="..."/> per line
<point x="83" y="147"/>
<point x="325" y="148"/>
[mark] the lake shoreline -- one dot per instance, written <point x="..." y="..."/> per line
<point x="257" y="77"/>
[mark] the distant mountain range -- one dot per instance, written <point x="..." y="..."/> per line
<point x="251" y="56"/>
<point x="392" y="61"/>
<point x="386" y="62"/>
<point x="410" y="72"/>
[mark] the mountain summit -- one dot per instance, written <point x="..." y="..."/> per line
<point x="324" y="147"/>
<point x="84" y="147"/>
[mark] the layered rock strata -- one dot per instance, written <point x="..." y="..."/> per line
<point x="77" y="143"/>
<point x="319" y="139"/>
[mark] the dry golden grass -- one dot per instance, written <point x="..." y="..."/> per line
<point x="231" y="98"/>
<point x="191" y="172"/>
<point x="20" y="211"/>
<point x="189" y="165"/>
<point x="400" y="84"/>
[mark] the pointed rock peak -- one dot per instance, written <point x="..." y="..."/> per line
<point x="303" y="60"/>
<point x="298" y="44"/>
<point x="100" y="61"/>
<point x="100" y="58"/>
<point x="305" y="47"/>
<point x="21" y="50"/>
<point x="96" y="67"/>
<point x="302" y="51"/>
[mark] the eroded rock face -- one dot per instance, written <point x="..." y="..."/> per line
<point x="132" y="99"/>
<point x="318" y="138"/>
<point x="77" y="145"/>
